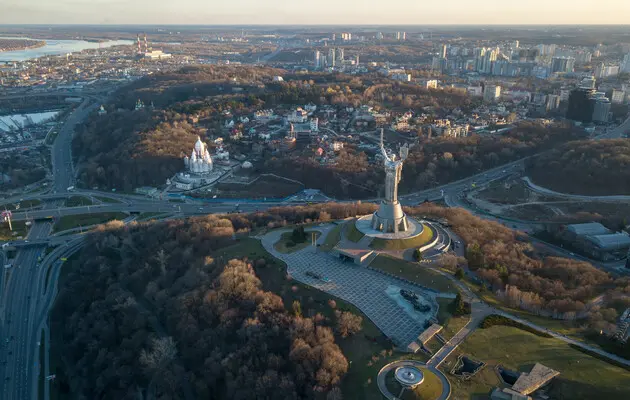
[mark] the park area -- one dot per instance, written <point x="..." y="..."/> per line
<point x="296" y="240"/>
<point x="85" y="220"/>
<point x="429" y="389"/>
<point x="581" y="375"/>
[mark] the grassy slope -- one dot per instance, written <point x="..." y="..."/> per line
<point x="430" y="389"/>
<point x="282" y="247"/>
<point x="399" y="244"/>
<point x="581" y="376"/>
<point x="332" y="239"/>
<point x="74" y="221"/>
<point x="413" y="272"/>
<point x="352" y="233"/>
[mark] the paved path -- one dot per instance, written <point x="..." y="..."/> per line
<point x="382" y="374"/>
<point x="360" y="286"/>
<point x="578" y="197"/>
<point x="480" y="310"/>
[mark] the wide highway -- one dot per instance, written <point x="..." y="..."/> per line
<point x="16" y="311"/>
<point x="24" y="304"/>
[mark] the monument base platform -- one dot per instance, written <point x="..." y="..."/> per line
<point x="364" y="225"/>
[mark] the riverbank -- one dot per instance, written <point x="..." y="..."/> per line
<point x="20" y="44"/>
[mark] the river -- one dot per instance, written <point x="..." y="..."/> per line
<point x="55" y="47"/>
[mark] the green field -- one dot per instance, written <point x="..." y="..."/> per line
<point x="332" y="239"/>
<point x="107" y="199"/>
<point x="84" y="220"/>
<point x="581" y="376"/>
<point x="352" y="233"/>
<point x="150" y="215"/>
<point x="26" y="204"/>
<point x="400" y="244"/>
<point x="78" y="201"/>
<point x="284" y="244"/>
<point x="430" y="389"/>
<point x="414" y="272"/>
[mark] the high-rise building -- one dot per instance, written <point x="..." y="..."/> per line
<point x="553" y="102"/>
<point x="356" y="60"/>
<point x="588" y="83"/>
<point x="491" y="93"/>
<point x="618" y="96"/>
<point x="379" y="35"/>
<point x="562" y="64"/>
<point x="331" y="57"/>
<point x="317" y="59"/>
<point x="601" y="107"/>
<point x="580" y="105"/>
<point x="515" y="44"/>
<point x="625" y="64"/>
<point x="443" y="52"/>
<point x="340" y="54"/>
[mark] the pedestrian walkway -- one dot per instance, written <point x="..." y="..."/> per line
<point x="363" y="287"/>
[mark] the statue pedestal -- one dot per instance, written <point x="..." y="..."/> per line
<point x="390" y="218"/>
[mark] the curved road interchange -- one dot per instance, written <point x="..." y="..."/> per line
<point x="26" y="297"/>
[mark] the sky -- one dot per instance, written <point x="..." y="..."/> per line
<point x="292" y="12"/>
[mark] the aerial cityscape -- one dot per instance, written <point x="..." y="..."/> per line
<point x="238" y="205"/>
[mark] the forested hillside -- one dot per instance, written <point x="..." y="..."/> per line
<point x="599" y="167"/>
<point x="129" y="148"/>
<point x="149" y="309"/>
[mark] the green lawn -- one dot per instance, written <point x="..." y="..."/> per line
<point x="106" y="199"/>
<point x="451" y="324"/>
<point x="332" y="239"/>
<point x="581" y="376"/>
<point x="352" y="233"/>
<point x="78" y="201"/>
<point x="400" y="244"/>
<point x="414" y="272"/>
<point x="150" y="215"/>
<point x="75" y="221"/>
<point x="19" y="229"/>
<point x="26" y="204"/>
<point x="284" y="244"/>
<point x="430" y="389"/>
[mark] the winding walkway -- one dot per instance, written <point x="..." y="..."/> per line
<point x="578" y="197"/>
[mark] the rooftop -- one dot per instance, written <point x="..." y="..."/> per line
<point x="537" y="377"/>
<point x="612" y="241"/>
<point x="590" y="228"/>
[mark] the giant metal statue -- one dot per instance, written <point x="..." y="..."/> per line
<point x="389" y="217"/>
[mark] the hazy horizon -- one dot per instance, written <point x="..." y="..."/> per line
<point x="325" y="12"/>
